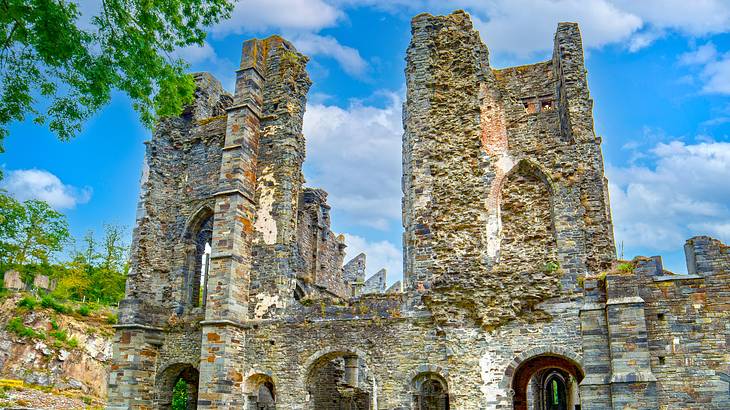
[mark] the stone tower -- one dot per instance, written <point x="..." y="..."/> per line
<point x="512" y="296"/>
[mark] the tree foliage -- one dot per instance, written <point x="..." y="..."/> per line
<point x="30" y="232"/>
<point x="98" y="272"/>
<point x="180" y="395"/>
<point x="59" y="66"/>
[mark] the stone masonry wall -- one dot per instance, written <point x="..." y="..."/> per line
<point x="507" y="241"/>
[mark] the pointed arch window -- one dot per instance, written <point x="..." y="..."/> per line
<point x="198" y="241"/>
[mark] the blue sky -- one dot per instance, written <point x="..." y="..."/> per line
<point x="659" y="72"/>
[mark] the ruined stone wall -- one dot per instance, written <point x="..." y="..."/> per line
<point x="687" y="324"/>
<point x="507" y="233"/>
<point x="664" y="342"/>
<point x="179" y="178"/>
<point x="485" y="156"/>
<point x="279" y="178"/>
<point x="321" y="251"/>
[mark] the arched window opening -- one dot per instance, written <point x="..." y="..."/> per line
<point x="260" y="393"/>
<point x="527" y="237"/>
<point x="199" y="250"/>
<point x="340" y="380"/>
<point x="298" y="293"/>
<point x="555" y="392"/>
<point x="265" y="397"/>
<point x="431" y="392"/>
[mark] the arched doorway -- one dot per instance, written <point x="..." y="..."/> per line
<point x="339" y="381"/>
<point x="430" y="392"/>
<point x="177" y="387"/>
<point x="547" y="382"/>
<point x="260" y="393"/>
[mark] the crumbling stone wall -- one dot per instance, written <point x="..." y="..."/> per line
<point x="507" y="236"/>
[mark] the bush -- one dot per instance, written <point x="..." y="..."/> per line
<point x="50" y="302"/>
<point x="28" y="302"/>
<point x="15" y="325"/>
<point x="60" y="335"/>
<point x="54" y="324"/>
<point x="112" y="319"/>
<point x="84" y="310"/>
<point x="73" y="343"/>
<point x="625" y="268"/>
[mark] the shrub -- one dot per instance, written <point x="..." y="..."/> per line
<point x="54" y="324"/>
<point x="28" y="302"/>
<point x="50" y="302"/>
<point x="112" y="319"/>
<point x="15" y="325"/>
<point x="60" y="335"/>
<point x="626" y="267"/>
<point x="84" y="310"/>
<point x="551" y="267"/>
<point x="73" y="343"/>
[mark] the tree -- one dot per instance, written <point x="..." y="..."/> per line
<point x="97" y="272"/>
<point x="180" y="395"/>
<point x="31" y="232"/>
<point x="49" y="56"/>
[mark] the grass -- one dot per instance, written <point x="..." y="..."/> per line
<point x="112" y="319"/>
<point x="50" y="302"/>
<point x="15" y="325"/>
<point x="28" y="302"/>
<point x="84" y="310"/>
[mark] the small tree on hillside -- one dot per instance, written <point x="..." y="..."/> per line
<point x="30" y="232"/>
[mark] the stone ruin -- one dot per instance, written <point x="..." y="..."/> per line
<point x="512" y="297"/>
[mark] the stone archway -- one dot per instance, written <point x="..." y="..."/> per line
<point x="338" y="380"/>
<point x="168" y="378"/>
<point x="546" y="382"/>
<point x="260" y="392"/>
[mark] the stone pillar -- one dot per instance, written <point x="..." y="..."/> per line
<point x="132" y="374"/>
<point x="230" y="267"/>
<point x="351" y="370"/>
<point x="595" y="390"/>
<point x="633" y="384"/>
<point x="279" y="178"/>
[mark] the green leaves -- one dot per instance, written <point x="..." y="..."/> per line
<point x="30" y="232"/>
<point x="59" y="72"/>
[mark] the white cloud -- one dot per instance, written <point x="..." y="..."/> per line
<point x="714" y="68"/>
<point x="348" y="57"/>
<point x="702" y="55"/>
<point x="523" y="27"/>
<point x="259" y="15"/>
<point x="686" y="193"/>
<point x="26" y="184"/>
<point x="355" y="154"/>
<point x="695" y="18"/>
<point x="380" y="254"/>
<point x="194" y="54"/>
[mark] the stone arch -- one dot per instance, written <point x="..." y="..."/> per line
<point x="527" y="235"/>
<point x="539" y="361"/>
<point x="338" y="379"/>
<point x="166" y="380"/>
<point x="429" y="388"/>
<point x="197" y="244"/>
<point x="260" y="391"/>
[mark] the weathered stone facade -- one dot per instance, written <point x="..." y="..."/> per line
<point x="238" y="284"/>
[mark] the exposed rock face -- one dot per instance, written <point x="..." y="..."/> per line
<point x="507" y="231"/>
<point x="45" y="363"/>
